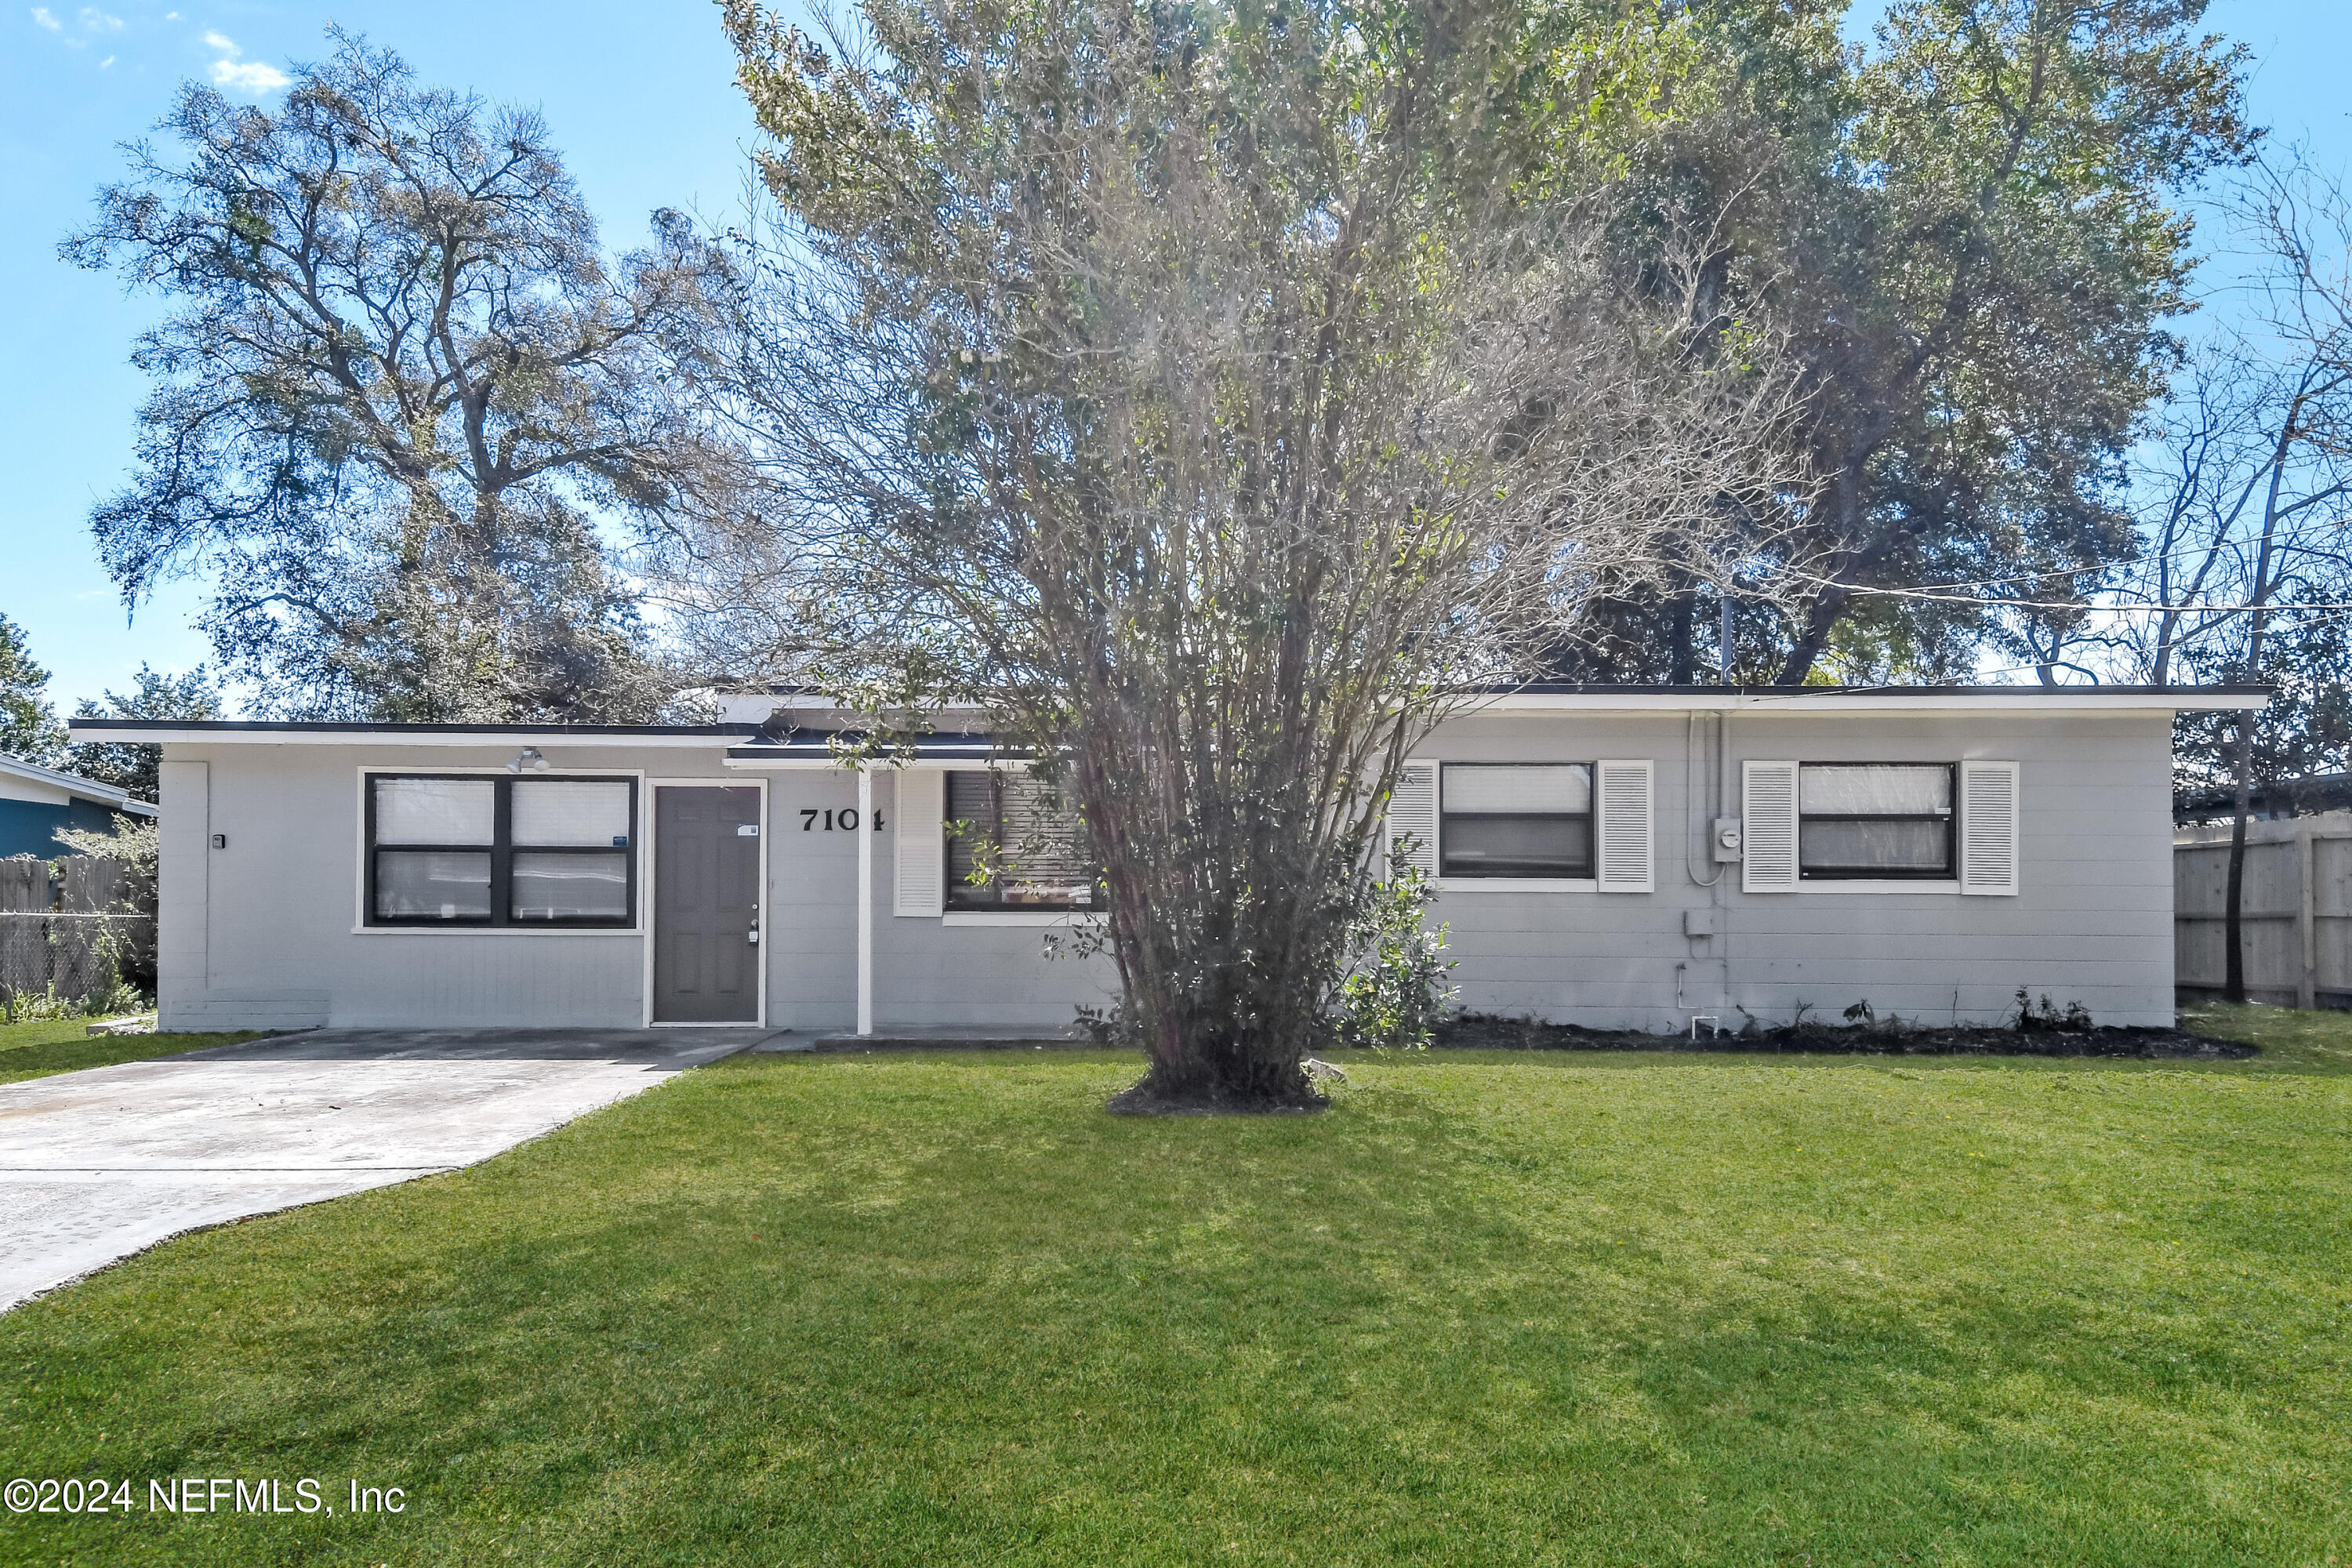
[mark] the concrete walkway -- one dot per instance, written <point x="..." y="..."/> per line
<point x="97" y="1165"/>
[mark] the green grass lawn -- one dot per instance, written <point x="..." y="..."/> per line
<point x="1492" y="1307"/>
<point x="65" y="1044"/>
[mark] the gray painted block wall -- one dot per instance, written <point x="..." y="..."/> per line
<point x="259" y="934"/>
<point x="2092" y="921"/>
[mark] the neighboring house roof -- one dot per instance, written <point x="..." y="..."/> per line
<point x="2306" y="796"/>
<point x="74" y="784"/>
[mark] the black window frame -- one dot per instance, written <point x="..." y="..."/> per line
<point x="961" y="897"/>
<point x="501" y="851"/>
<point x="1950" y="820"/>
<point x="1590" y="815"/>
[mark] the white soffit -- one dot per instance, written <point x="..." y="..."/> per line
<point x="372" y="739"/>
<point x="2028" y="699"/>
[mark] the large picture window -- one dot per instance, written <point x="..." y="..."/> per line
<point x="1013" y="844"/>
<point x="463" y="849"/>
<point x="1861" y="820"/>
<point x="1515" y="820"/>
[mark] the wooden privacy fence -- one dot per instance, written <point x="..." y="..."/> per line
<point x="2296" y="909"/>
<point x="74" y="930"/>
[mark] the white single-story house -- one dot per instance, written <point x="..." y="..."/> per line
<point x="35" y="802"/>
<point x="1614" y="857"/>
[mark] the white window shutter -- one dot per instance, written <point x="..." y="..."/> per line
<point x="1412" y="813"/>
<point x="919" y="880"/>
<point x="1624" y="835"/>
<point x="1989" y="829"/>
<point x="1768" y="828"/>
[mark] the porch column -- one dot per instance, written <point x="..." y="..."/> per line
<point x="864" y="900"/>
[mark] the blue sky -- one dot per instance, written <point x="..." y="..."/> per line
<point x="640" y="97"/>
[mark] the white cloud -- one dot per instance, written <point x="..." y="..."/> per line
<point x="252" y="76"/>
<point x="105" y="62"/>
<point x="98" y="21"/>
<point x="41" y="16"/>
<point x="245" y="75"/>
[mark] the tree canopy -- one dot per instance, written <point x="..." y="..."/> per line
<point x="400" y="392"/>
<point x="1973" y="232"/>
<point x="1214" y="397"/>
<point x="29" y="730"/>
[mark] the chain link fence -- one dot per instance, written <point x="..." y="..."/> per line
<point x="73" y="932"/>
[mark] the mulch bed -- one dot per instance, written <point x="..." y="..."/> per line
<point x="1487" y="1032"/>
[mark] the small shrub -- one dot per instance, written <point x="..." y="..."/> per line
<point x="1395" y="994"/>
<point x="2042" y="1018"/>
<point x="44" y="1006"/>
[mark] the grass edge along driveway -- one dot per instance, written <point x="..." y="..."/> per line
<point x="1493" y="1307"/>
<point x="52" y="1045"/>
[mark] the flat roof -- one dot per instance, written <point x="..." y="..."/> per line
<point x="1536" y="696"/>
<point x="1565" y="696"/>
<point x="336" y="731"/>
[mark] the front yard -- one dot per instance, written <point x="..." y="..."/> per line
<point x="65" y="1044"/>
<point x="1492" y="1307"/>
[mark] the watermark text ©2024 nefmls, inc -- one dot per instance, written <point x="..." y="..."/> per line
<point x="304" y="1495"/>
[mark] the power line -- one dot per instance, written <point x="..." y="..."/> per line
<point x="2276" y="608"/>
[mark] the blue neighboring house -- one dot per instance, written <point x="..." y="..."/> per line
<point x="35" y="802"/>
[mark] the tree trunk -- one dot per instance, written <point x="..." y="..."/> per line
<point x="1685" y="668"/>
<point x="1820" y="620"/>
<point x="2233" y="971"/>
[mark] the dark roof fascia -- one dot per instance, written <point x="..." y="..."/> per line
<point x="818" y="745"/>
<point x="1600" y="688"/>
<point x="339" y="727"/>
<point x="2055" y="693"/>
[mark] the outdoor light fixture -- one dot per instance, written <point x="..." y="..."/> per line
<point x="528" y="757"/>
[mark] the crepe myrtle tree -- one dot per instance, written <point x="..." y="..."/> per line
<point x="1217" y="397"/>
<point x="399" y="390"/>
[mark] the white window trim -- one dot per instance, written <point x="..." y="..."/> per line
<point x="1934" y="886"/>
<point x="636" y="928"/>
<point x="1515" y="884"/>
<point x="1021" y="918"/>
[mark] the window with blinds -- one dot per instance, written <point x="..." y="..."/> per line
<point x="1014" y="844"/>
<point x="469" y="851"/>
<point x="1875" y="820"/>
<point x="1507" y="819"/>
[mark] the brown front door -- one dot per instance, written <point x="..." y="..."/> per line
<point x="706" y="904"/>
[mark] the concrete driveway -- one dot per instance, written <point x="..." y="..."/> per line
<point x="97" y="1165"/>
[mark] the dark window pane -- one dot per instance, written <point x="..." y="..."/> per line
<point x="571" y="887"/>
<point x="1030" y="840"/>
<point x="1892" y="845"/>
<point x="431" y="884"/>
<point x="1522" y="846"/>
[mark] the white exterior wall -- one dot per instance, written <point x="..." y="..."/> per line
<point x="2092" y="921"/>
<point x="926" y="971"/>
<point x="260" y="934"/>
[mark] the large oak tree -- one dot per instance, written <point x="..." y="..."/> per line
<point x="402" y="399"/>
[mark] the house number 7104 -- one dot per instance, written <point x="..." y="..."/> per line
<point x="844" y="820"/>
